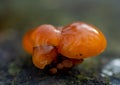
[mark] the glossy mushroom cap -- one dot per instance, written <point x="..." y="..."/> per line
<point x="46" y="35"/>
<point x="44" y="38"/>
<point x="27" y="42"/>
<point x="80" y="40"/>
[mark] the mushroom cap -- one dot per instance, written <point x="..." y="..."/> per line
<point x="27" y="42"/>
<point x="45" y="35"/>
<point x="80" y="40"/>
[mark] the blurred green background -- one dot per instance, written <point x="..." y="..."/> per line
<point x="25" y="14"/>
<point x="19" y="16"/>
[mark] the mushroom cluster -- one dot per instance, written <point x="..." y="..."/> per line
<point x="63" y="47"/>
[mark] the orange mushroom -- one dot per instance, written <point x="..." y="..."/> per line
<point x="75" y="42"/>
<point x="80" y="40"/>
<point x="45" y="38"/>
<point x="42" y="39"/>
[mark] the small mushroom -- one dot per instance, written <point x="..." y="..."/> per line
<point x="53" y="70"/>
<point x="60" y="66"/>
<point x="67" y="63"/>
<point x="80" y="40"/>
<point x="43" y="39"/>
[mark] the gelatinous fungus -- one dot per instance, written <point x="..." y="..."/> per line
<point x="74" y="42"/>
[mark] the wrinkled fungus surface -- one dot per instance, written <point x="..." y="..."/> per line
<point x="73" y="42"/>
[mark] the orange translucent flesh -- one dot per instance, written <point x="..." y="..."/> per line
<point x="80" y="40"/>
<point x="67" y="63"/>
<point x="27" y="42"/>
<point x="46" y="35"/>
<point x="43" y="55"/>
<point x="76" y="61"/>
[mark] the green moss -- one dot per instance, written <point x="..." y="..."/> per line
<point x="13" y="69"/>
<point x="107" y="80"/>
<point x="81" y="77"/>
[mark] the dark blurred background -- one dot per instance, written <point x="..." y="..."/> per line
<point x="18" y="16"/>
<point x="23" y="15"/>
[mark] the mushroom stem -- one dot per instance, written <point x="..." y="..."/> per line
<point x="43" y="55"/>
